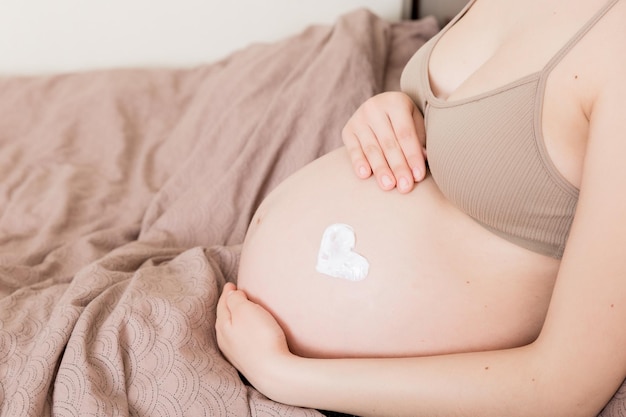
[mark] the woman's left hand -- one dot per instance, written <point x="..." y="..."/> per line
<point x="249" y="337"/>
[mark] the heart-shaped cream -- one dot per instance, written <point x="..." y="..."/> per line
<point x="337" y="257"/>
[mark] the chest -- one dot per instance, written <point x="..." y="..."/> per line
<point x="476" y="55"/>
<point x="488" y="156"/>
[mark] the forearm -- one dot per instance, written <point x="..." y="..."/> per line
<point x="571" y="370"/>
<point x="502" y="383"/>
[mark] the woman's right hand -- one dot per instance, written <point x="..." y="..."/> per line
<point x="386" y="136"/>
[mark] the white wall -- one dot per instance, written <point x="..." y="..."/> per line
<point x="65" y="35"/>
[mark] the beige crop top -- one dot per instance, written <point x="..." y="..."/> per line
<point x="487" y="155"/>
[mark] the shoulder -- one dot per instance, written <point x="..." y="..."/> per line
<point x="606" y="70"/>
<point x="608" y="61"/>
<point x="605" y="48"/>
<point x="600" y="63"/>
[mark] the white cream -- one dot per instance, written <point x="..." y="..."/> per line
<point x="337" y="257"/>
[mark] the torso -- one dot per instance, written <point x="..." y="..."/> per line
<point x="438" y="282"/>
<point x="505" y="52"/>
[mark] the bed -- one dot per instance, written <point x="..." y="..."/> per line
<point x="126" y="187"/>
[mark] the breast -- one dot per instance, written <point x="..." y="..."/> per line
<point x="434" y="282"/>
<point x="488" y="157"/>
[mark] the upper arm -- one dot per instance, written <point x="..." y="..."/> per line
<point x="583" y="342"/>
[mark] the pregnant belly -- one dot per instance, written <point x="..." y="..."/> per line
<point x="437" y="282"/>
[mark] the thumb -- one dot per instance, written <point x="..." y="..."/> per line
<point x="236" y="299"/>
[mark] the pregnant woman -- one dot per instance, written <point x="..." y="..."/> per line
<point x="492" y="283"/>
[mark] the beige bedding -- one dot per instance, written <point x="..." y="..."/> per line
<point x="124" y="196"/>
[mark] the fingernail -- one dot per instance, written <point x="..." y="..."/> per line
<point x="386" y="181"/>
<point x="403" y="184"/>
<point x="417" y="174"/>
<point x="363" y="172"/>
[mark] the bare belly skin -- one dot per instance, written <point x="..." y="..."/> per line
<point x="438" y="282"/>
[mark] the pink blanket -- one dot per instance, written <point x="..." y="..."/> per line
<point x="124" y="196"/>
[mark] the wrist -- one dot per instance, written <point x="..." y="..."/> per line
<point x="303" y="382"/>
<point x="290" y="381"/>
<point x="276" y="378"/>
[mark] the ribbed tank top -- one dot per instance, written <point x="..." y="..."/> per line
<point x="487" y="153"/>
